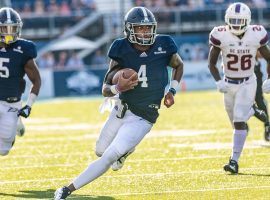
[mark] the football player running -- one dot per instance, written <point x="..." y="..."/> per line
<point x="16" y="59"/>
<point x="259" y="98"/>
<point x="132" y="118"/>
<point x="238" y="42"/>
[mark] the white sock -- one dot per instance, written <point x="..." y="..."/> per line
<point x="239" y="138"/>
<point x="96" y="168"/>
<point x="93" y="171"/>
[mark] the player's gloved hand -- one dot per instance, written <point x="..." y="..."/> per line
<point x="266" y="86"/>
<point x="25" y="111"/>
<point x="125" y="84"/>
<point x="222" y="86"/>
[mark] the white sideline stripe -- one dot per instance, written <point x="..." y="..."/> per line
<point x="129" y="161"/>
<point x="132" y="175"/>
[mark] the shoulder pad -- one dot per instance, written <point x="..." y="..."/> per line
<point x="114" y="49"/>
<point x="28" y="47"/>
<point x="216" y="35"/>
<point x="168" y="43"/>
<point x="260" y="33"/>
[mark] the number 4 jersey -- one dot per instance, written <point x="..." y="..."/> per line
<point x="238" y="55"/>
<point x="144" y="100"/>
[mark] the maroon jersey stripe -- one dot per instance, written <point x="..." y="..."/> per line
<point x="264" y="40"/>
<point x="215" y="41"/>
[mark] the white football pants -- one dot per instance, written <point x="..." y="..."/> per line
<point x="8" y="125"/>
<point x="123" y="134"/>
<point x="239" y="100"/>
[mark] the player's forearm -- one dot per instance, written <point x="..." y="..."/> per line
<point x="177" y="64"/>
<point x="178" y="72"/>
<point x="214" y="71"/>
<point x="36" y="86"/>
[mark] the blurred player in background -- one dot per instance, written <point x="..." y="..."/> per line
<point x="238" y="41"/>
<point x="16" y="59"/>
<point x="259" y="99"/>
<point x="149" y="55"/>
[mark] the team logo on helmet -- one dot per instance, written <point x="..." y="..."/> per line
<point x="238" y="17"/>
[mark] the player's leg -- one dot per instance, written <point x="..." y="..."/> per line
<point x="8" y="122"/>
<point x="126" y="139"/>
<point x="229" y="99"/>
<point x="242" y="112"/>
<point x="108" y="133"/>
<point x="262" y="105"/>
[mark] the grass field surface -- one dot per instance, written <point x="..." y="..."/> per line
<point x="181" y="158"/>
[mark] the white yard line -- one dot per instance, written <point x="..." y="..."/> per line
<point x="31" y="120"/>
<point x="3" y="167"/>
<point x="182" y="191"/>
<point x="130" y="175"/>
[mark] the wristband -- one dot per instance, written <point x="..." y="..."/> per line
<point x="173" y="91"/>
<point x="174" y="84"/>
<point x="114" y="89"/>
<point x="31" y="99"/>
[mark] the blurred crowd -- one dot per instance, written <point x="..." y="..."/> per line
<point x="155" y="5"/>
<point x="56" y="7"/>
<point x="70" y="60"/>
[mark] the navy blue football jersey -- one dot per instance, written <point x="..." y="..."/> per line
<point x="145" y="99"/>
<point x="12" y="61"/>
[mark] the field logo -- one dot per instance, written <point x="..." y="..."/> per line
<point x="83" y="82"/>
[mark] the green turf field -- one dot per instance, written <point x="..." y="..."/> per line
<point x="181" y="158"/>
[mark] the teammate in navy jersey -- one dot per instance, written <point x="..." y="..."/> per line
<point x="139" y="100"/>
<point x="259" y="98"/>
<point x="16" y="59"/>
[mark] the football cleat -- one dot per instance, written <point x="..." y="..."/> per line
<point x="260" y="114"/>
<point x="232" y="167"/>
<point x="62" y="193"/>
<point x="120" y="162"/>
<point x="267" y="132"/>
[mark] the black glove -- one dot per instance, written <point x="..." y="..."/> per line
<point x="25" y="111"/>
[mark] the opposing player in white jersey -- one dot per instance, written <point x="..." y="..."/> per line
<point x="238" y="42"/>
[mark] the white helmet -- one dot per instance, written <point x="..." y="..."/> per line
<point x="238" y="17"/>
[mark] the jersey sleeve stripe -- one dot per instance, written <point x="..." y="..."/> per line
<point x="264" y="40"/>
<point x="214" y="41"/>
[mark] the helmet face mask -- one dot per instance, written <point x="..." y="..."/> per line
<point x="10" y="25"/>
<point x="141" y="37"/>
<point x="238" y="17"/>
<point x="140" y="26"/>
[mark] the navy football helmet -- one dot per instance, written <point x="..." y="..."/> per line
<point x="10" y="25"/>
<point x="140" y="16"/>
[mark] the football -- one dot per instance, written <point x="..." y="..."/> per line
<point x="127" y="74"/>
